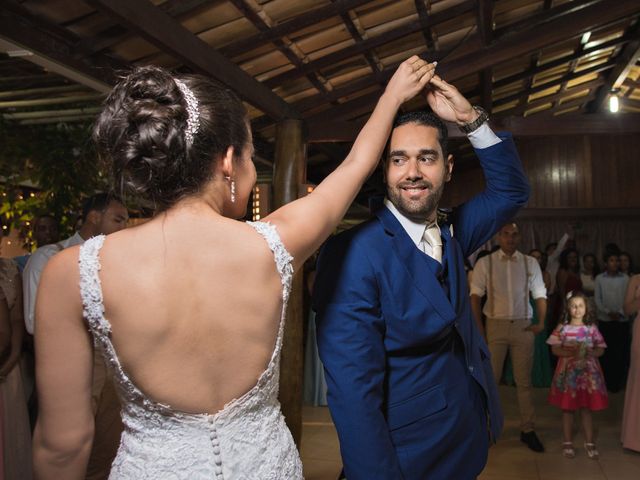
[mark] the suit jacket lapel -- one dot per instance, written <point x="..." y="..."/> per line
<point x="452" y="263"/>
<point x="419" y="266"/>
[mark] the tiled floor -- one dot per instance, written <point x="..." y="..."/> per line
<point x="509" y="459"/>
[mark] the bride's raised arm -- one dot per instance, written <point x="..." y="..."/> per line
<point x="304" y="224"/>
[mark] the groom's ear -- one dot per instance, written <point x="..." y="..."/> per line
<point x="448" y="165"/>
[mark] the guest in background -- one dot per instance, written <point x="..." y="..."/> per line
<point x="553" y="251"/>
<point x="626" y="264"/>
<point x="45" y="232"/>
<point x="631" y="414"/>
<point x="542" y="259"/>
<point x="611" y="286"/>
<point x="568" y="276"/>
<point x="14" y="421"/>
<point x="588" y="278"/>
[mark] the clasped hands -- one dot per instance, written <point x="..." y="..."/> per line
<point x="415" y="75"/>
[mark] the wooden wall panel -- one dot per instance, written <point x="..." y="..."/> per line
<point x="599" y="171"/>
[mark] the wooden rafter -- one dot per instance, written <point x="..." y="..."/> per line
<point x="300" y="22"/>
<point x="370" y="43"/>
<point x="627" y="58"/>
<point x="36" y="35"/>
<point x="355" y="34"/>
<point x="258" y="22"/>
<point x="422" y="7"/>
<point x="115" y="33"/>
<point x="485" y="28"/>
<point x="170" y="36"/>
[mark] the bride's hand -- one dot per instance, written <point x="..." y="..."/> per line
<point x="410" y="78"/>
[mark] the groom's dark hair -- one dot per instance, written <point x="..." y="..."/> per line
<point x="424" y="118"/>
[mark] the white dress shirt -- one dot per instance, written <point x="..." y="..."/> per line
<point x="508" y="284"/>
<point x="32" y="272"/>
<point x="609" y="295"/>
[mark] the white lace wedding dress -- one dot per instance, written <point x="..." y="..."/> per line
<point x="247" y="439"/>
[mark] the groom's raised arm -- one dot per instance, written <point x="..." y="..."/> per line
<point x="350" y="341"/>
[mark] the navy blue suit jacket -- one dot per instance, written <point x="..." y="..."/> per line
<point x="408" y="401"/>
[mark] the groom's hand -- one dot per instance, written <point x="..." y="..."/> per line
<point x="448" y="103"/>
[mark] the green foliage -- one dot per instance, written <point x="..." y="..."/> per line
<point x="46" y="169"/>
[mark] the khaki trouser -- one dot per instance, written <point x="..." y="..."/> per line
<point x="510" y="335"/>
<point x="108" y="429"/>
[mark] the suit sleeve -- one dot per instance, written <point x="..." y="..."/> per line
<point x="507" y="190"/>
<point x="350" y="342"/>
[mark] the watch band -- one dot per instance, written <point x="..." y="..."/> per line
<point x="483" y="116"/>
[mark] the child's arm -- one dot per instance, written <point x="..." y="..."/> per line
<point x="560" y="351"/>
<point x="595" y="352"/>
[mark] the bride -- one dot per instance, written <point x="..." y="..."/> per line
<point x="187" y="309"/>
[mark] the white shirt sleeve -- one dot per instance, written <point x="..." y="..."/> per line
<point x="483" y="137"/>
<point x="536" y="282"/>
<point x="30" y="281"/>
<point x="479" y="278"/>
<point x="559" y="248"/>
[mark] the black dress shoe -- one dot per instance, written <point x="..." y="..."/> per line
<point x="532" y="441"/>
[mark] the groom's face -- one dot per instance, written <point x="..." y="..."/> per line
<point x="416" y="171"/>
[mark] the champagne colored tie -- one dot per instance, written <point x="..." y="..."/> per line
<point x="432" y="237"/>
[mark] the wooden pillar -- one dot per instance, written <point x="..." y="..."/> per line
<point x="289" y="174"/>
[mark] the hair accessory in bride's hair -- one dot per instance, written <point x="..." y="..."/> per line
<point x="193" y="119"/>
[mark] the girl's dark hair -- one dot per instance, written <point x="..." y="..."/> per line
<point x="140" y="134"/>
<point x="589" y="316"/>
<point x="564" y="259"/>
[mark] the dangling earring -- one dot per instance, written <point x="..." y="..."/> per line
<point x="233" y="191"/>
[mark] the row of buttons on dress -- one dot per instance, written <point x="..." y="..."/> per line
<point x="213" y="435"/>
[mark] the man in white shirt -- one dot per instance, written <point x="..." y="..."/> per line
<point x="102" y="214"/>
<point x="509" y="278"/>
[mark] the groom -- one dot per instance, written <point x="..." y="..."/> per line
<point x="409" y="378"/>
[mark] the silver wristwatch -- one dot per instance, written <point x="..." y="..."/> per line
<point x="483" y="116"/>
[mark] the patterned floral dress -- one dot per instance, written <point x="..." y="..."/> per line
<point x="578" y="381"/>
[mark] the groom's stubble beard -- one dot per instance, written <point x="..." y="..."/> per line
<point x="417" y="210"/>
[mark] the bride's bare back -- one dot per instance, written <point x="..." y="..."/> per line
<point x="194" y="301"/>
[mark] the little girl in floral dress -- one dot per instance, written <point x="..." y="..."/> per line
<point x="578" y="382"/>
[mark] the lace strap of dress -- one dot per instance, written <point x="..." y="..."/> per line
<point x="283" y="259"/>
<point x="90" y="288"/>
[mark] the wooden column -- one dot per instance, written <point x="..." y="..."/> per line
<point x="289" y="174"/>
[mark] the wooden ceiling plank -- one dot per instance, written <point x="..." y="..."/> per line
<point x="537" y="125"/>
<point x="261" y="25"/>
<point x="627" y="58"/>
<point x="116" y="33"/>
<point x="485" y="28"/>
<point x="300" y="22"/>
<point x="167" y="34"/>
<point x="369" y="44"/>
<point x="43" y="39"/>
<point x="508" y="46"/>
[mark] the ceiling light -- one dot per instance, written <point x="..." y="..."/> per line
<point x="614" y="104"/>
<point x="585" y="38"/>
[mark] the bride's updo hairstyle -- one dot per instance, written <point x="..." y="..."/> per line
<point x="161" y="146"/>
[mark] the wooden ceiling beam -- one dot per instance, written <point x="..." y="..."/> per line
<point x="557" y="97"/>
<point x="355" y="34"/>
<point x="485" y="27"/>
<point x="520" y="43"/>
<point x="536" y="125"/>
<point x="524" y="42"/>
<point x="552" y="83"/>
<point x="170" y="36"/>
<point x="370" y="43"/>
<point x="627" y="58"/>
<point x="422" y="7"/>
<point x="258" y="22"/>
<point x="288" y="27"/>
<point x="54" y="49"/>
<point x="115" y="33"/>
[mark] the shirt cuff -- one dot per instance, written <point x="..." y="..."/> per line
<point x="483" y="137"/>
<point x="476" y="291"/>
